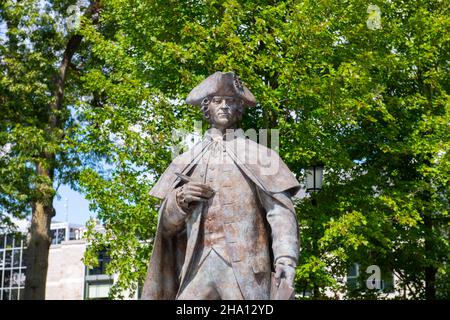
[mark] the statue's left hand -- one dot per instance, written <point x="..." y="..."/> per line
<point x="285" y="268"/>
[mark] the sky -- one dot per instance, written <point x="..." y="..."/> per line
<point x="77" y="209"/>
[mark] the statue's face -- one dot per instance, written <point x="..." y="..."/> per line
<point x="225" y="112"/>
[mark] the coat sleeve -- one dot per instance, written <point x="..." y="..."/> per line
<point x="163" y="270"/>
<point x="280" y="214"/>
<point x="173" y="217"/>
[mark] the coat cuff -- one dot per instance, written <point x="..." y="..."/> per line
<point x="174" y="214"/>
<point x="294" y="259"/>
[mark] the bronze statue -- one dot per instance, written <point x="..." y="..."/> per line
<point x="227" y="227"/>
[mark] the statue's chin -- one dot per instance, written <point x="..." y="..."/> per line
<point x="223" y="124"/>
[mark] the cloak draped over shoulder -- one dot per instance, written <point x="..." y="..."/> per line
<point x="261" y="165"/>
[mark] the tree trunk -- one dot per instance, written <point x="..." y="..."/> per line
<point x="39" y="241"/>
<point x="430" y="283"/>
<point x="430" y="271"/>
<point x="42" y="209"/>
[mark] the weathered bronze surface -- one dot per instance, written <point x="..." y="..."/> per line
<point x="227" y="227"/>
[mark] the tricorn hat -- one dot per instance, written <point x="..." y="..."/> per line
<point x="221" y="84"/>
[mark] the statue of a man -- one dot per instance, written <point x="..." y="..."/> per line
<point x="227" y="227"/>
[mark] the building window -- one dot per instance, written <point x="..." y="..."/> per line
<point x="98" y="283"/>
<point x="9" y="241"/>
<point x="12" y="267"/>
<point x="72" y="234"/>
<point x="61" y="235"/>
<point x="54" y="236"/>
<point x="103" y="260"/>
<point x="353" y="277"/>
<point x="139" y="291"/>
<point x="58" y="235"/>
<point x="8" y="258"/>
<point x="98" y="289"/>
<point x="75" y="234"/>
<point x="16" y="258"/>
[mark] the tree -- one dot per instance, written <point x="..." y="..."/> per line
<point x="37" y="53"/>
<point x="369" y="102"/>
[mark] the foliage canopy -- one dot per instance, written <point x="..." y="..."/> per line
<point x="372" y="104"/>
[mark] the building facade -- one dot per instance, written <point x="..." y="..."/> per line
<point x="67" y="276"/>
<point x="12" y="266"/>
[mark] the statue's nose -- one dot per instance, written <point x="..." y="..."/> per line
<point x="224" y="104"/>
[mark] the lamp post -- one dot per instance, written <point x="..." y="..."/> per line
<point x="314" y="177"/>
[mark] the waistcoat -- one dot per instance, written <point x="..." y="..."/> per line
<point x="232" y="222"/>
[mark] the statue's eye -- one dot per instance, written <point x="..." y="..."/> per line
<point x="217" y="100"/>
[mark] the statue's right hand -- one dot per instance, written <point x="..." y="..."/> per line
<point x="193" y="192"/>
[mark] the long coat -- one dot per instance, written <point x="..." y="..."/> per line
<point x="262" y="166"/>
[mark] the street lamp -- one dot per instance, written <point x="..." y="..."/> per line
<point x="314" y="177"/>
